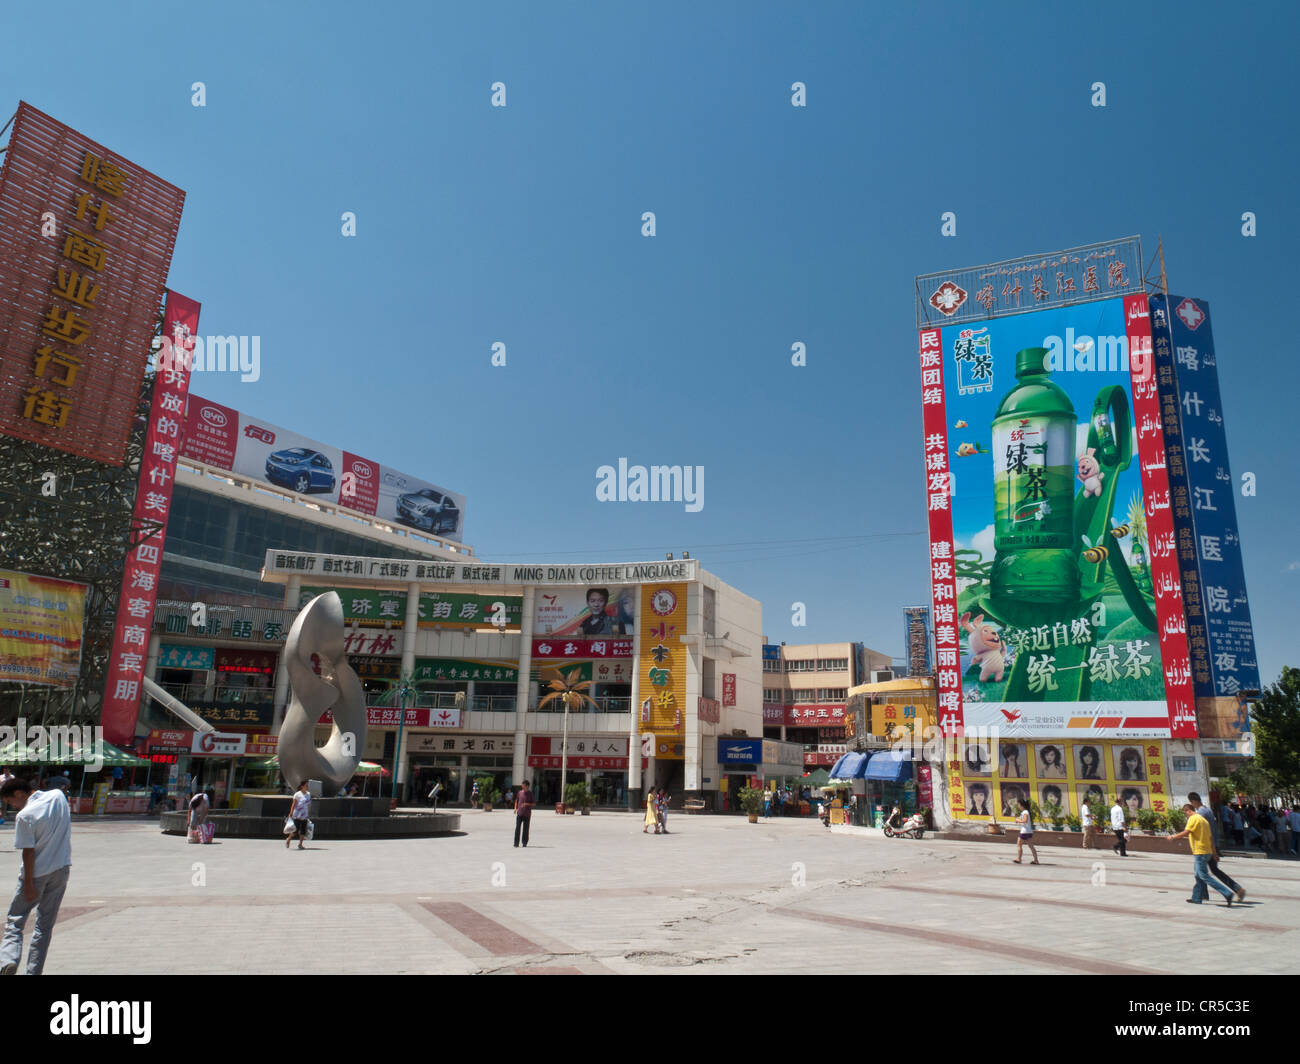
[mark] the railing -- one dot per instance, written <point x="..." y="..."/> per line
<point x="606" y="705"/>
<point x="193" y="694"/>
<point x="493" y="703"/>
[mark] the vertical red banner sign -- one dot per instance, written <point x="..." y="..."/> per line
<point x="728" y="688"/>
<point x="1166" y="581"/>
<point x="153" y="499"/>
<point x="938" y="495"/>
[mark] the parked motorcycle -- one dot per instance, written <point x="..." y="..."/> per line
<point x="898" y="828"/>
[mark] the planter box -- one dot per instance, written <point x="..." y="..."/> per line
<point x="1137" y="843"/>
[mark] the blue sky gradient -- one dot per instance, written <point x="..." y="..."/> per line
<point x="775" y="225"/>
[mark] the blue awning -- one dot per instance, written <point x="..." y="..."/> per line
<point x="889" y="766"/>
<point x="836" y="774"/>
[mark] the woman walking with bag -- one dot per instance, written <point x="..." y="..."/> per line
<point x="298" y="813"/>
<point x="651" y="812"/>
<point x="198" y="816"/>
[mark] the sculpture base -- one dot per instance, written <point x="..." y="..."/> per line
<point x="262" y="816"/>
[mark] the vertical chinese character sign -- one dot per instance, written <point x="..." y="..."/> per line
<point x="149" y="521"/>
<point x="86" y="239"/>
<point x="1208" y="540"/>
<point x="662" y="667"/>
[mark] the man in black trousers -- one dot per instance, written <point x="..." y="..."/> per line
<point x="1204" y="810"/>
<point x="524" y="802"/>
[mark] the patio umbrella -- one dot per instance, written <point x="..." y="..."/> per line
<point x="817" y="778"/>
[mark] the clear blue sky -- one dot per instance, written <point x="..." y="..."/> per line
<point x="775" y="225"/>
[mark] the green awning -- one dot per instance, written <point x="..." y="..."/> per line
<point x="17" y="756"/>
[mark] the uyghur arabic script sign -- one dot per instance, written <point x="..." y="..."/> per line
<point x="86" y="240"/>
<point x="1034" y="282"/>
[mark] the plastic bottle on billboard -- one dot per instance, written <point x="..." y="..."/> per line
<point x="1035" y="559"/>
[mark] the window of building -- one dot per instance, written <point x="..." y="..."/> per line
<point x="800" y="665"/>
<point x="832" y="694"/>
<point x="804" y="694"/>
<point x="771" y="666"/>
<point x="773" y="695"/>
<point x="832" y="664"/>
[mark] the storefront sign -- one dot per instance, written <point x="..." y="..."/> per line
<point x="461" y="744"/>
<point x="391" y="717"/>
<point x="728" y="688"/>
<point x="383" y="570"/>
<point x="824" y="754"/>
<point x="173" y="656"/>
<point x="582" y="648"/>
<point x="584" y="752"/>
<point x="370" y="608"/>
<point x="771" y="652"/>
<point x="218" y="744"/>
<point x="709" y="709"/>
<point x="454" y="669"/>
<point x="169" y="737"/>
<point x="662" y="668"/>
<point x="803" y="715"/>
<point x="259" y="662"/>
<point x="249" y="714"/>
<point x="740" y="751"/>
<point x="40" y="629"/>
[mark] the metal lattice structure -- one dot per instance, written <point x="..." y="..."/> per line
<point x="82" y="532"/>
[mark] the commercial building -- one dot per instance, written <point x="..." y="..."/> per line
<point x="667" y="654"/>
<point x="805" y="689"/>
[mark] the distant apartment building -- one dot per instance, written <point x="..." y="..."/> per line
<point x="805" y="689"/>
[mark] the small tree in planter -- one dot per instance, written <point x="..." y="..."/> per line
<point x="751" y="800"/>
<point x="488" y="794"/>
<point x="576" y="796"/>
<point x="1148" y="820"/>
<point x="1052" y="812"/>
<point x="1073" y="823"/>
<point x="1177" y="820"/>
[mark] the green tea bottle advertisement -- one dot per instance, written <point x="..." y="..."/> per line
<point x="1055" y="603"/>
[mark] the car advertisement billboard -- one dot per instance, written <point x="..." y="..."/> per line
<point x="229" y="439"/>
<point x="40" y="629"/>
<point x="1220" y="633"/>
<point x="1057" y="605"/>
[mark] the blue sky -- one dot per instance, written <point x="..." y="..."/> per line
<point x="775" y="224"/>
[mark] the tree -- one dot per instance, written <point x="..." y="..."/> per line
<point x="1276" y="725"/>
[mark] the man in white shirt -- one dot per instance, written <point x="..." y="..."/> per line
<point x="1089" y="828"/>
<point x="43" y="831"/>
<point x="1117" y="825"/>
<point x="1293" y="822"/>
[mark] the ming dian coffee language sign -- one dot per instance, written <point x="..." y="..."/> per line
<point x="86" y="240"/>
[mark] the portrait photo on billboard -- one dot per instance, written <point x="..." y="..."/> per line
<point x="587" y="613"/>
<point x="1056" y="604"/>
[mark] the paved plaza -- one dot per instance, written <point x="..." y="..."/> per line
<point x="595" y="895"/>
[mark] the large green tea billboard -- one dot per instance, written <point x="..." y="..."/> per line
<point x="1057" y="610"/>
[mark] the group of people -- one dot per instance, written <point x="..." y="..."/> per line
<point x="656" y="811"/>
<point x="1265" y="829"/>
<point x="779" y="799"/>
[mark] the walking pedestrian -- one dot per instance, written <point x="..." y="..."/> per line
<point x="43" y="831"/>
<point x="1293" y="822"/>
<point x="5" y="777"/>
<point x="651" y="811"/>
<point x="299" y="813"/>
<point x="1026" y="836"/>
<point x="1118" y="825"/>
<point x="198" y="816"/>
<point x="473" y="796"/>
<point x="1238" y="825"/>
<point x="1089" y="827"/>
<point x="524" y="802"/>
<point x="1204" y="812"/>
<point x="1198" y="830"/>
<point x="663" y="808"/>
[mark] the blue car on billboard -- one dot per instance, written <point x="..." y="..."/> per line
<point x="301" y="469"/>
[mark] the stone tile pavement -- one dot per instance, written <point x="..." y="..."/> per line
<point x="595" y="895"/>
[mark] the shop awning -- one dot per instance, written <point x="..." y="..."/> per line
<point x="889" y="766"/>
<point x="836" y="774"/>
<point x="849" y="767"/>
<point x="69" y="754"/>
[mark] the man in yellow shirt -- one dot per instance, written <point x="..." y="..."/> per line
<point x="1198" y="830"/>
